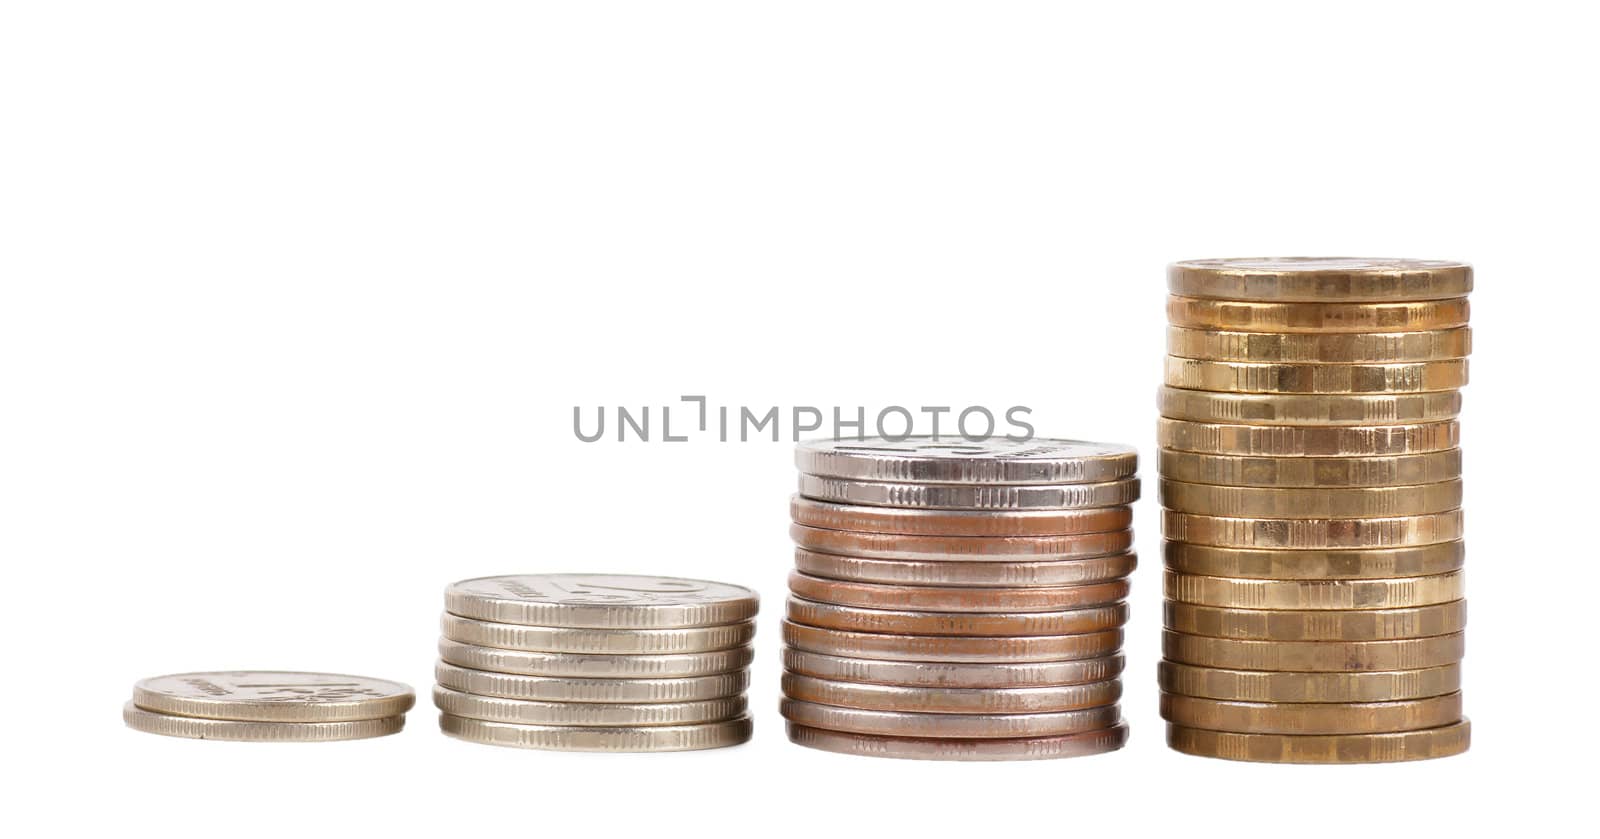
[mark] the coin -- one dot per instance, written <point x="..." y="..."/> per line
<point x="1428" y="743"/>
<point x="594" y="666"/>
<point x="607" y="601"/>
<point x="900" y="724"/>
<point x="660" y="738"/>
<point x="1311" y="717"/>
<point x="1063" y="572"/>
<point x="942" y="648"/>
<point x="1313" y="656"/>
<point x="1268" y="686"/>
<point x="1241" y="593"/>
<point x="1309" y="409"/>
<point x="971" y="496"/>
<point x="956" y="598"/>
<point x="1320" y="347"/>
<point x="856" y="619"/>
<point x="273" y="696"/>
<point x="597" y="641"/>
<point x="1196" y="313"/>
<point x="1312" y="534"/>
<point x="829" y="516"/>
<point x="526" y="712"/>
<point x="953" y="674"/>
<point x="1297" y="502"/>
<point x="196" y="728"/>
<point x="1330" y="472"/>
<point x="958" y="460"/>
<point x="546" y="689"/>
<point x="1373" y="563"/>
<point x="974" y="548"/>
<point x="1324" y="625"/>
<point x="874" y="697"/>
<point x="1249" y="377"/>
<point x="945" y="748"/>
<point x="1320" y="278"/>
<point x="1330" y="441"/>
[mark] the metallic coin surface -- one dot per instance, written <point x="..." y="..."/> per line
<point x="1371" y="563"/>
<point x="575" y="665"/>
<point x="971" y="548"/>
<point x="1320" y="347"/>
<point x="1317" y="472"/>
<point x="1305" y="502"/>
<point x="988" y="726"/>
<point x="1060" y="572"/>
<point x="829" y="516"/>
<point x="1311" y="717"/>
<point x="857" y="619"/>
<point x="196" y="728"/>
<point x="273" y="696"/>
<point x="1251" y="377"/>
<point x="563" y="738"/>
<point x="1301" y="409"/>
<point x="971" y="496"/>
<point x="1426" y="744"/>
<point x="942" y="648"/>
<point x="1321" y="625"/>
<point x="1268" y="686"/>
<point x="957" y="460"/>
<point x="1242" y="593"/>
<point x="602" y="601"/>
<point x="526" y="712"/>
<point x="952" y="674"/>
<point x="949" y="748"/>
<point x="1195" y="313"/>
<point x="956" y="598"/>
<point x="874" y="697"/>
<point x="596" y="641"/>
<point x="544" y="689"/>
<point x="1312" y="534"/>
<point x="1298" y="441"/>
<point x="1313" y="656"/>
<point x="1302" y="278"/>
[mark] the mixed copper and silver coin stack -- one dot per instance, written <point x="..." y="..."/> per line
<point x="957" y="600"/>
<point x="268" y="706"/>
<point x="1311" y="479"/>
<point x="596" y="662"/>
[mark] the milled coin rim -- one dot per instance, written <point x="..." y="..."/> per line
<point x="1337" y="564"/>
<point x="952" y="648"/>
<point x="1314" y="718"/>
<point x="830" y="515"/>
<point x="587" y="714"/>
<point x="1424" y="744"/>
<point x="864" y="545"/>
<point x="1253" y="316"/>
<point x="1025" y="573"/>
<point x="594" y="666"/>
<point x="1320" y="347"/>
<point x="1317" y="473"/>
<point x="813" y="457"/>
<point x="556" y="639"/>
<point x="1003" y="624"/>
<point x="964" y="599"/>
<point x="1289" y="687"/>
<point x="623" y="691"/>
<point x="953" y="674"/>
<point x="1318" y="410"/>
<point x="621" y="739"/>
<point x="971" y="496"/>
<point x="953" y="726"/>
<point x="915" y="748"/>
<point x="1276" y="378"/>
<point x="248" y="710"/>
<point x="992" y="700"/>
<point x="1313" y="656"/>
<point x="253" y="731"/>
<point x="1367" y="280"/>
<point x="1316" y="625"/>
<point x="488" y="607"/>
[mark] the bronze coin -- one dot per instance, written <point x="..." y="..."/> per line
<point x="956" y="598"/>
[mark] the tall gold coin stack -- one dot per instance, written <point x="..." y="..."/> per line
<point x="1311" y="482"/>
<point x="959" y="600"/>
<point x="595" y="662"/>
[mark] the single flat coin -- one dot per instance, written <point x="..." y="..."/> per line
<point x="1426" y="744"/>
<point x="957" y="460"/>
<point x="1311" y="717"/>
<point x="1310" y="472"/>
<point x="943" y="648"/>
<point x="1060" y="572"/>
<point x="1296" y="441"/>
<point x="574" y="665"/>
<point x="273" y="696"/>
<point x="1303" y="502"/>
<point x="951" y="700"/>
<point x="971" y="496"/>
<point x="525" y="712"/>
<point x="1267" y="686"/>
<point x="1318" y="278"/>
<point x="987" y="726"/>
<point x="597" y="641"/>
<point x="1242" y="593"/>
<point x="1252" y="377"/>
<point x="1195" y="313"/>
<point x="952" y="674"/>
<point x="1320" y="347"/>
<point x="1373" y="563"/>
<point x="956" y="598"/>
<point x="857" y="619"/>
<point x="950" y="748"/>
<point x="542" y="689"/>
<point x="1313" y="656"/>
<point x="562" y="738"/>
<point x="830" y="516"/>
<point x="600" y="601"/>
<point x="971" y="548"/>
<point x="1307" y="409"/>
<point x="1312" y="534"/>
<point x="196" y="728"/>
<point x="1322" y="625"/>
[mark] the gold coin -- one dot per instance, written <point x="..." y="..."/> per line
<point x="1332" y="472"/>
<point x="1295" y="441"/>
<point x="1320" y="347"/>
<point x="1311" y="717"/>
<point x="874" y="697"/>
<point x="1239" y="593"/>
<point x="1426" y="744"/>
<point x="951" y="748"/>
<point x="978" y="726"/>
<point x="1314" y="278"/>
<point x="1196" y="313"/>
<point x="1245" y="377"/>
<point x="1317" y="625"/>
<point x="946" y="572"/>
<point x="1309" y="409"/>
<point x="829" y="516"/>
<point x="956" y="598"/>
<point x="970" y="548"/>
<point x="1269" y="686"/>
<point x="953" y="649"/>
<point x="1312" y="534"/>
<point x="1380" y="563"/>
<point x="856" y="619"/>
<point x="1313" y="656"/>
<point x="1300" y="502"/>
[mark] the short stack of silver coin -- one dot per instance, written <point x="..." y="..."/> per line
<point x="596" y="662"/>
<point x="268" y="706"/>
<point x="959" y="600"/>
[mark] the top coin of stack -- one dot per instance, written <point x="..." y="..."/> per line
<point x="1312" y="485"/>
<point x="268" y="706"/>
<point x="959" y="600"/>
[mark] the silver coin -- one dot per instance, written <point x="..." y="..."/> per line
<point x="196" y="728"/>
<point x="543" y="689"/>
<point x="950" y="748"/>
<point x="528" y="712"/>
<point x="662" y="738"/>
<point x="952" y="674"/>
<point x="894" y="622"/>
<point x="1062" y="572"/>
<point x="874" y="697"/>
<point x="987" y="726"/>
<point x="601" y="601"/>
<point x="273" y="696"/>
<point x="956" y="460"/>
<point x="971" y="496"/>
<point x="596" y="641"/>
<point x="572" y="665"/>
<point x="941" y="648"/>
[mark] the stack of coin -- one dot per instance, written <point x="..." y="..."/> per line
<point x="958" y="600"/>
<point x="596" y="662"/>
<point x="268" y="706"/>
<point x="1312" y="486"/>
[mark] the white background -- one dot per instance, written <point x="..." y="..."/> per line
<point x="299" y="297"/>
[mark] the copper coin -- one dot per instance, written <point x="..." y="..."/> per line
<point x="970" y="548"/>
<point x="987" y="726"/>
<point x="1056" y="572"/>
<point x="1239" y="593"/>
<point x="1311" y="717"/>
<point x="1008" y="624"/>
<point x="1375" y="563"/>
<point x="1307" y="441"/>
<point x="1268" y="686"/>
<point x="956" y="598"/>
<point x="1196" y="313"/>
<point x="1313" y="656"/>
<point x="949" y="748"/>
<point x="944" y="648"/>
<point x="830" y="516"/>
<point x="951" y="700"/>
<point x="953" y="674"/>
<point x="1426" y="744"/>
<point x="1312" y="534"/>
<point x="1332" y="472"/>
<point x="1319" y="625"/>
